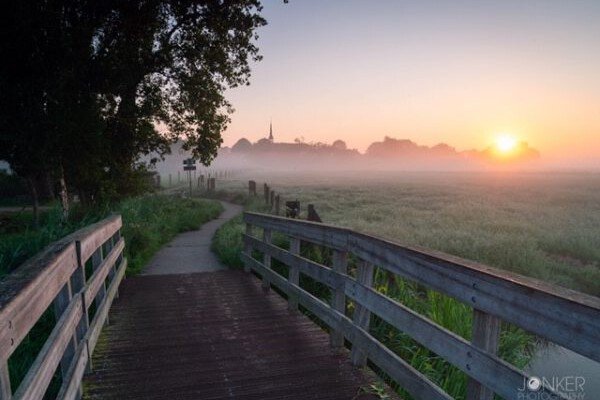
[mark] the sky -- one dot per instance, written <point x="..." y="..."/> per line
<point x="457" y="72"/>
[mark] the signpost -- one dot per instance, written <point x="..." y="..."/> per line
<point x="189" y="165"/>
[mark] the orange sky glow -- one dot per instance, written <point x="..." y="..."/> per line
<point x="462" y="74"/>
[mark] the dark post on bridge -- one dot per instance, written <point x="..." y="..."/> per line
<point x="251" y="188"/>
<point x="292" y="209"/>
<point x="313" y="215"/>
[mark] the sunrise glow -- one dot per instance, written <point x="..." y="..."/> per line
<point x="506" y="143"/>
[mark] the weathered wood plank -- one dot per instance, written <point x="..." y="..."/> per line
<point x="27" y="292"/>
<point x="248" y="246"/>
<point x="304" y="265"/>
<point x="315" y="305"/>
<point x="294" y="273"/>
<point x="5" y="389"/>
<point x="494" y="372"/>
<point x="317" y="233"/>
<point x="266" y="258"/>
<point x="71" y="387"/>
<point x="96" y="282"/>
<point x="61" y="303"/>
<point x="411" y="380"/>
<point x="94" y="236"/>
<point x="338" y="300"/>
<point x="40" y="374"/>
<point x="565" y="317"/>
<point x="486" y="336"/>
<point x="362" y="315"/>
<point x="414" y="382"/>
<point x="95" y="328"/>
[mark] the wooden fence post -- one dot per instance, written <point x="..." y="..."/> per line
<point x="248" y="247"/>
<point x="266" y="193"/>
<point x="272" y="199"/>
<point x="294" y="274"/>
<point x="97" y="258"/>
<point x="362" y="315"/>
<point x="338" y="300"/>
<point x="251" y="188"/>
<point x="486" y="336"/>
<point x="170" y="183"/>
<point x="5" y="390"/>
<point x="266" y="259"/>
<point x="277" y="201"/>
<point x="61" y="302"/>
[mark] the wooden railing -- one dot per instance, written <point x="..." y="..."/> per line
<point x="562" y="316"/>
<point x="56" y="279"/>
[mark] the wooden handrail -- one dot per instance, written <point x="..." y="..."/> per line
<point x="560" y="315"/>
<point x="57" y="276"/>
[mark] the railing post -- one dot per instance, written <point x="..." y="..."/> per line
<point x="277" y="200"/>
<point x="5" y="391"/>
<point x="294" y="274"/>
<point x="266" y="259"/>
<point x="97" y="258"/>
<point x="362" y="316"/>
<point x="77" y="283"/>
<point x="486" y="336"/>
<point x="338" y="301"/>
<point x="61" y="302"/>
<point x="248" y="247"/>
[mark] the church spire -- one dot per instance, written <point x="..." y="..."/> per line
<point x="271" y="131"/>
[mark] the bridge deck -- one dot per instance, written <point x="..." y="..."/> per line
<point x="214" y="336"/>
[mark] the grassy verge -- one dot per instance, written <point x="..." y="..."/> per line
<point x="516" y="346"/>
<point x="149" y="222"/>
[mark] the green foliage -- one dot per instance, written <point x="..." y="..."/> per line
<point x="152" y="221"/>
<point x="149" y="222"/>
<point x="83" y="85"/>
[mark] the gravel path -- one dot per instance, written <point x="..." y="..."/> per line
<point x="190" y="251"/>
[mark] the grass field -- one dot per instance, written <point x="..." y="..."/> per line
<point x="541" y="225"/>
<point x="545" y="226"/>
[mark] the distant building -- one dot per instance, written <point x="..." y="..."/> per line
<point x="271" y="132"/>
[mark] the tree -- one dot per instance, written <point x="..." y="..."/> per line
<point x="84" y="84"/>
<point x="241" y="146"/>
<point x="339" y="145"/>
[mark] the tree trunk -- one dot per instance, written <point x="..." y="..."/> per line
<point x="34" y="197"/>
<point x="64" y="195"/>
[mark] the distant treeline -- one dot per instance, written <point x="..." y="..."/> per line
<point x="389" y="151"/>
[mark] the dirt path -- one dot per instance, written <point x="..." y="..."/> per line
<point x="190" y="251"/>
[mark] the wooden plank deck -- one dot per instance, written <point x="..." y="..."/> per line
<point x="214" y="336"/>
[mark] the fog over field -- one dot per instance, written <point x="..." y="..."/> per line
<point x="388" y="154"/>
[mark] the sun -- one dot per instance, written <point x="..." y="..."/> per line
<point x="506" y="143"/>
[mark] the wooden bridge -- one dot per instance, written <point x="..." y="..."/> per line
<point x="222" y="335"/>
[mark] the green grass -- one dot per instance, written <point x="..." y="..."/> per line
<point x="149" y="222"/>
<point x="541" y="225"/>
<point x="152" y="221"/>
